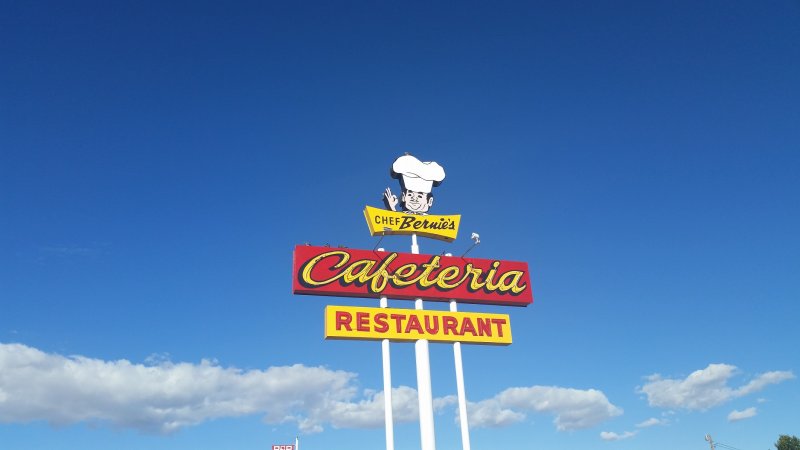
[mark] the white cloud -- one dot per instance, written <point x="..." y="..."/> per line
<point x="611" y="436"/>
<point x="764" y="380"/>
<point x="651" y="422"/>
<point x="706" y="388"/>
<point x="573" y="408"/>
<point x="369" y="413"/>
<point x="165" y="397"/>
<point x="162" y="397"/>
<point x="735" y="415"/>
<point x="491" y="414"/>
<point x="441" y="402"/>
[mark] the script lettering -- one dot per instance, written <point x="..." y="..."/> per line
<point x="335" y="266"/>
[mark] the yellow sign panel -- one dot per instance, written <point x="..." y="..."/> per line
<point x="352" y="322"/>
<point x="383" y="221"/>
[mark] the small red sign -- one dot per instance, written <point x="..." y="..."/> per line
<point x="372" y="274"/>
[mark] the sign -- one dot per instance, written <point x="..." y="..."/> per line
<point x="349" y="322"/>
<point x="382" y="221"/>
<point x="283" y="447"/>
<point x="417" y="180"/>
<point x="372" y="274"/>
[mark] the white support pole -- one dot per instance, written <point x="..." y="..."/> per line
<point x="387" y="395"/>
<point x="297" y="443"/>
<point x="387" y="385"/>
<point x="462" y="395"/>
<point x="424" y="390"/>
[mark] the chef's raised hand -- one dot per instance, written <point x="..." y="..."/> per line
<point x="390" y="199"/>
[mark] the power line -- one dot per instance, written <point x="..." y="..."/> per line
<point x="713" y="444"/>
<point x="729" y="447"/>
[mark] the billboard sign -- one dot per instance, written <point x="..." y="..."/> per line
<point x="385" y="222"/>
<point x="373" y="274"/>
<point x="350" y="322"/>
<point x="417" y="180"/>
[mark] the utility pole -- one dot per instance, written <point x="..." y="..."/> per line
<point x="710" y="442"/>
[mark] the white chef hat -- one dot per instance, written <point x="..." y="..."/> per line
<point x="417" y="175"/>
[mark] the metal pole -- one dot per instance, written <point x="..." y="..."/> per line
<point x="462" y="395"/>
<point x="424" y="390"/>
<point x="710" y="442"/>
<point x="387" y="384"/>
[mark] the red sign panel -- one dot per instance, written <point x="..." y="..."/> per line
<point x="372" y="274"/>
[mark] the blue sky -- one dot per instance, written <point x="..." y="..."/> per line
<point x="158" y="162"/>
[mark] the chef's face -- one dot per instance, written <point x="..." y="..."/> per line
<point x="418" y="202"/>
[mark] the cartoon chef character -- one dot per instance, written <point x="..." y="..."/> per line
<point x="417" y="179"/>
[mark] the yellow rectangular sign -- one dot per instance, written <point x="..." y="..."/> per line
<point x="353" y="322"/>
<point x="383" y="221"/>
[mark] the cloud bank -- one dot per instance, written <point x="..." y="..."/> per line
<point x="163" y="397"/>
<point x="706" y="388"/>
